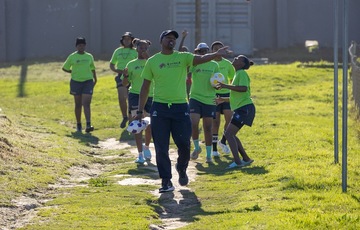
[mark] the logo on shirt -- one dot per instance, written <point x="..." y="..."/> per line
<point x="169" y="65"/>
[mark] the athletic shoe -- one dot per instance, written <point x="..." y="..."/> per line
<point x="209" y="160"/>
<point x="123" y="123"/>
<point x="183" y="178"/>
<point x="147" y="153"/>
<point x="167" y="186"/>
<point x="195" y="154"/>
<point x="140" y="160"/>
<point x="246" y="163"/>
<point x="78" y="128"/>
<point x="224" y="147"/>
<point x="234" y="165"/>
<point x="89" y="129"/>
<point x="215" y="154"/>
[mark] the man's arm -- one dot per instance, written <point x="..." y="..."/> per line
<point x="199" y="59"/>
<point x="144" y="93"/>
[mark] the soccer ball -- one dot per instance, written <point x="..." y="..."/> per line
<point x="136" y="126"/>
<point x="216" y="78"/>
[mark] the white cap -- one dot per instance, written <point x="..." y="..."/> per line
<point x="202" y="46"/>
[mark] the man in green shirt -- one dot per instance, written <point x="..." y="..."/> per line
<point x="170" y="110"/>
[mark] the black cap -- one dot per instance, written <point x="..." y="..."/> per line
<point x="127" y="34"/>
<point x="167" y="32"/>
<point x="80" y="40"/>
<point x="247" y="61"/>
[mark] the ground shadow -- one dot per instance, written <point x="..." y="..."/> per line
<point x="22" y="80"/>
<point x="184" y="210"/>
<point x="85" y="138"/>
<point x="220" y="169"/>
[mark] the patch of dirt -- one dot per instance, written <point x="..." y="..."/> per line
<point x="173" y="204"/>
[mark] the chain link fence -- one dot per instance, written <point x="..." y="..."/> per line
<point x="355" y="72"/>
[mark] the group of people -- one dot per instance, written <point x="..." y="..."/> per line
<point x="158" y="86"/>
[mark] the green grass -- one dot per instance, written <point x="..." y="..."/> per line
<point x="293" y="182"/>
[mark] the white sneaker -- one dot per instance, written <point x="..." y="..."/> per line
<point x="147" y="153"/>
<point x="234" y="165"/>
<point x="215" y="154"/>
<point x="195" y="154"/>
<point x="140" y="160"/>
<point x="246" y="163"/>
<point x="209" y="160"/>
<point x="224" y="148"/>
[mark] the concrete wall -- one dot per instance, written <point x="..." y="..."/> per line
<point x="33" y="29"/>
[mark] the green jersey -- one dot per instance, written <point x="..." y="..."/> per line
<point x="122" y="56"/>
<point x="227" y="69"/>
<point x="201" y="89"/>
<point x="239" y="99"/>
<point x="81" y="66"/>
<point x="135" y="68"/>
<point x="168" y="74"/>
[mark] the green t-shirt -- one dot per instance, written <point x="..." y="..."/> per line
<point x="227" y="69"/>
<point x="168" y="74"/>
<point x="201" y="88"/>
<point x="81" y="66"/>
<point x="122" y="56"/>
<point x="239" y="99"/>
<point x="135" y="68"/>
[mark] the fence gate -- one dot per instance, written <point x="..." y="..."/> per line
<point x="229" y="21"/>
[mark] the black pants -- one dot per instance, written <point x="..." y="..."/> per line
<point x="171" y="119"/>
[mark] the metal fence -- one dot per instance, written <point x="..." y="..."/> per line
<point x="355" y="73"/>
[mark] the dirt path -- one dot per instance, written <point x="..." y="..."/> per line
<point x="174" y="205"/>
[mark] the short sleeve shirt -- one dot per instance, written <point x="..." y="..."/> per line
<point x="81" y="66"/>
<point x="201" y="89"/>
<point x="135" y="68"/>
<point x="122" y="56"/>
<point x="168" y="74"/>
<point x="227" y="69"/>
<point x="239" y="99"/>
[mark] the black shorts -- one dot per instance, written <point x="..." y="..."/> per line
<point x="133" y="100"/>
<point x="200" y="108"/>
<point x="223" y="106"/>
<point x="81" y="87"/>
<point x="243" y="116"/>
<point x="119" y="83"/>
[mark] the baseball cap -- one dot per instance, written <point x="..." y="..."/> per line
<point x="201" y="45"/>
<point x="80" y="40"/>
<point x="128" y="34"/>
<point x="216" y="43"/>
<point x="167" y="32"/>
<point x="247" y="61"/>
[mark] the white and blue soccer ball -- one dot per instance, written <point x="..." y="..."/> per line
<point x="136" y="126"/>
<point x="216" y="78"/>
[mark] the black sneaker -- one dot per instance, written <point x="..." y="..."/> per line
<point x="78" y="128"/>
<point x="167" y="186"/>
<point x="183" y="178"/>
<point x="89" y="129"/>
<point x="123" y="123"/>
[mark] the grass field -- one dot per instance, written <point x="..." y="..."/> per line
<point x="293" y="183"/>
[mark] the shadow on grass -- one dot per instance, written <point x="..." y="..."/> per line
<point x="22" y="80"/>
<point x="149" y="171"/>
<point x="220" y="169"/>
<point x="85" y="138"/>
<point x="185" y="210"/>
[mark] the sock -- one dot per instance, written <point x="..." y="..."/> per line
<point x="208" y="151"/>
<point x="196" y="144"/>
<point x="223" y="140"/>
<point x="214" y="142"/>
<point x="141" y="155"/>
<point x="88" y="124"/>
<point x="145" y="147"/>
